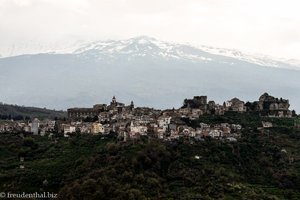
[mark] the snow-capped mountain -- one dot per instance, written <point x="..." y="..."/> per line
<point x="142" y="46"/>
<point x="148" y="71"/>
<point x="259" y="59"/>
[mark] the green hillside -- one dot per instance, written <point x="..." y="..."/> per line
<point x="20" y="112"/>
<point x="258" y="166"/>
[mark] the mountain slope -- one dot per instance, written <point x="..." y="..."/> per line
<point x="165" y="48"/>
<point x="17" y="112"/>
<point x="148" y="71"/>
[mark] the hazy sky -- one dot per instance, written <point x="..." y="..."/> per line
<point x="263" y="26"/>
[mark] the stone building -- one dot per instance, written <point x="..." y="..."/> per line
<point x="96" y="110"/>
<point x="200" y="103"/>
<point x="235" y="105"/>
<point x="268" y="105"/>
<point x="76" y="113"/>
<point x="197" y="102"/>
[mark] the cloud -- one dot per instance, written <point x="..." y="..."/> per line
<point x="22" y="2"/>
<point x="269" y="27"/>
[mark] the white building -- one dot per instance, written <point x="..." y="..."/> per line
<point x="69" y="129"/>
<point x="215" y="133"/>
<point x="163" y="122"/>
<point x="138" y="128"/>
<point x="35" y="126"/>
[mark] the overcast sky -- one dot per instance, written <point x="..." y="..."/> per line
<point x="270" y="27"/>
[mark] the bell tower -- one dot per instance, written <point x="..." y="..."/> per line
<point x="131" y="105"/>
<point x="113" y="101"/>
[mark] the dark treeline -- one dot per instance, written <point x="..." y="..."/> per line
<point x="258" y="166"/>
<point x="8" y="112"/>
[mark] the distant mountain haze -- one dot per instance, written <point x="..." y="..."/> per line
<point x="148" y="71"/>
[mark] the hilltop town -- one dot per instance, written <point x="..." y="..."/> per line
<point x="130" y="122"/>
<point x="201" y="150"/>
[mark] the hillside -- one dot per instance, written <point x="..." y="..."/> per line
<point x="260" y="165"/>
<point x="20" y="112"/>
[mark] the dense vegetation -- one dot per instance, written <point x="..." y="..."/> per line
<point x="258" y="166"/>
<point x="15" y="112"/>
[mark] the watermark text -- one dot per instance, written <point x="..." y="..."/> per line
<point x="24" y="195"/>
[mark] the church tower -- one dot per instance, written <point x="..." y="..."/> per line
<point x="131" y="105"/>
<point x="113" y="101"/>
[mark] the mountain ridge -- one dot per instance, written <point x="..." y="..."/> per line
<point x="79" y="46"/>
<point x="138" y="71"/>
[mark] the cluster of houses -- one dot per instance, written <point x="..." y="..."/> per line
<point x="130" y="122"/>
<point x="35" y="126"/>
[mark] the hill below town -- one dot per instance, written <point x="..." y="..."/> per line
<point x="21" y="112"/>
<point x="260" y="165"/>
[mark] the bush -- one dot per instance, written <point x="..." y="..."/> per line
<point x="29" y="142"/>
